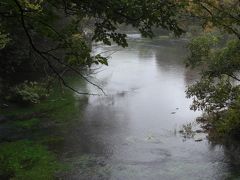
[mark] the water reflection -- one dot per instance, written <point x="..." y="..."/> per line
<point x="132" y="132"/>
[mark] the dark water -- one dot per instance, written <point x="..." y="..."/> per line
<point x="132" y="133"/>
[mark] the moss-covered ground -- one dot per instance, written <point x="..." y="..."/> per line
<point x="26" y="148"/>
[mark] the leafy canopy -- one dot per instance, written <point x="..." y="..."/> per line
<point x="59" y="32"/>
<point x="218" y="91"/>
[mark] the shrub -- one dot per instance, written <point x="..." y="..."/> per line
<point x="29" y="92"/>
<point x="230" y="121"/>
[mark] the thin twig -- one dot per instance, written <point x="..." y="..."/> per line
<point x="40" y="53"/>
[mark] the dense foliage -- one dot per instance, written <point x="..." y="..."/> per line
<point x="216" y="53"/>
<point x="56" y="33"/>
<point x="215" y="14"/>
<point x="218" y="91"/>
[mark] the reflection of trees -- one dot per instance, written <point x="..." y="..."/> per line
<point x="231" y="157"/>
<point x="99" y="129"/>
<point x="167" y="52"/>
<point x="170" y="60"/>
<point x="140" y="47"/>
<point x="145" y="52"/>
<point x="170" y="55"/>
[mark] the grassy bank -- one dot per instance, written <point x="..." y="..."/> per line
<point x="31" y="134"/>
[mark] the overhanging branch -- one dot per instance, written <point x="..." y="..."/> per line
<point x="23" y="23"/>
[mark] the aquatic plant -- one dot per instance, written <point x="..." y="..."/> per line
<point x="26" y="160"/>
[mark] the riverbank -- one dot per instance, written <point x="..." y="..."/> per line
<point x="133" y="132"/>
<point x="30" y="135"/>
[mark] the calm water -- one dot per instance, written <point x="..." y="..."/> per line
<point x="132" y="133"/>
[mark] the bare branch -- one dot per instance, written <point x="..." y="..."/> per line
<point x="73" y="69"/>
<point x="41" y="54"/>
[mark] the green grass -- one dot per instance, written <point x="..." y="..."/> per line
<point x="27" y="124"/>
<point x="24" y="160"/>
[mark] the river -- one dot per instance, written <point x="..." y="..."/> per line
<point x="132" y="133"/>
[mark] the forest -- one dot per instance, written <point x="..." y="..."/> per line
<point x="75" y="73"/>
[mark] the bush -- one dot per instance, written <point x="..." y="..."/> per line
<point x="29" y="92"/>
<point x="229" y="124"/>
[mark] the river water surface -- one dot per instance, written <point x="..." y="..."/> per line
<point x="132" y="133"/>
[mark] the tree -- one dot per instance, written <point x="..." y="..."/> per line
<point x="218" y="91"/>
<point x="55" y="30"/>
<point x="220" y="14"/>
